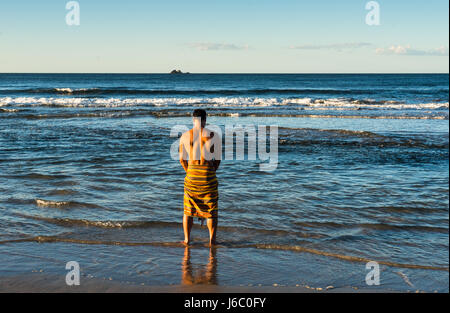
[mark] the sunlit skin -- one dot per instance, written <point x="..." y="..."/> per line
<point x="195" y="159"/>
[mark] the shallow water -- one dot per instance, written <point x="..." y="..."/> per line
<point x="86" y="174"/>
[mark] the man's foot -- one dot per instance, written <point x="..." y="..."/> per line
<point x="185" y="242"/>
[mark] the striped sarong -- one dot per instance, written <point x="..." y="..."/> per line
<point x="201" y="195"/>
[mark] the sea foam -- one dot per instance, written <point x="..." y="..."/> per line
<point x="219" y="102"/>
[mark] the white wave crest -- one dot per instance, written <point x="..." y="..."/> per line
<point x="66" y="90"/>
<point x="41" y="202"/>
<point x="218" y="102"/>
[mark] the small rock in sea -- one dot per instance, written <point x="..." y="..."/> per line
<point x="329" y="287"/>
<point x="178" y="72"/>
<point x="275" y="285"/>
<point x="319" y="289"/>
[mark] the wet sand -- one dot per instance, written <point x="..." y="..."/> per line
<point x="44" y="283"/>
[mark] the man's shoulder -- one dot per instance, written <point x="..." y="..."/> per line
<point x="186" y="134"/>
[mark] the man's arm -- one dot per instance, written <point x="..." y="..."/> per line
<point x="182" y="153"/>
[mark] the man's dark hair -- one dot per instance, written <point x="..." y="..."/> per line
<point x="199" y="113"/>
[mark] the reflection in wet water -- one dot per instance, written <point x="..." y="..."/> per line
<point x="206" y="275"/>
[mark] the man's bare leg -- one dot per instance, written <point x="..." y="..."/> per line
<point x="187" y="226"/>
<point x="212" y="227"/>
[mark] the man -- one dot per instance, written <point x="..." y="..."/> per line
<point x="201" y="194"/>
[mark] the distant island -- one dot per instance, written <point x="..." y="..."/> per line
<point x="178" y="72"/>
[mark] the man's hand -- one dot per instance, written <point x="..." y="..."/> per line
<point x="216" y="164"/>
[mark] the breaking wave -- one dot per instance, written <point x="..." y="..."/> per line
<point x="217" y="102"/>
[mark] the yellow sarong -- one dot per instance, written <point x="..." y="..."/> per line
<point x="201" y="193"/>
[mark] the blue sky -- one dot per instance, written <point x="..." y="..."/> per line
<point x="232" y="36"/>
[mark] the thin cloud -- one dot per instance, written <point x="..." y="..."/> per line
<point x="209" y="46"/>
<point x="336" y="46"/>
<point x="407" y="50"/>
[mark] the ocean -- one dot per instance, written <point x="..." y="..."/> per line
<point x="363" y="175"/>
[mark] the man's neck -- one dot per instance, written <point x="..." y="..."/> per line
<point x="198" y="127"/>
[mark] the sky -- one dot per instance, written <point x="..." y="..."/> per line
<point x="224" y="36"/>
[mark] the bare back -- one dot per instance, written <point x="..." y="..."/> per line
<point x="194" y="147"/>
